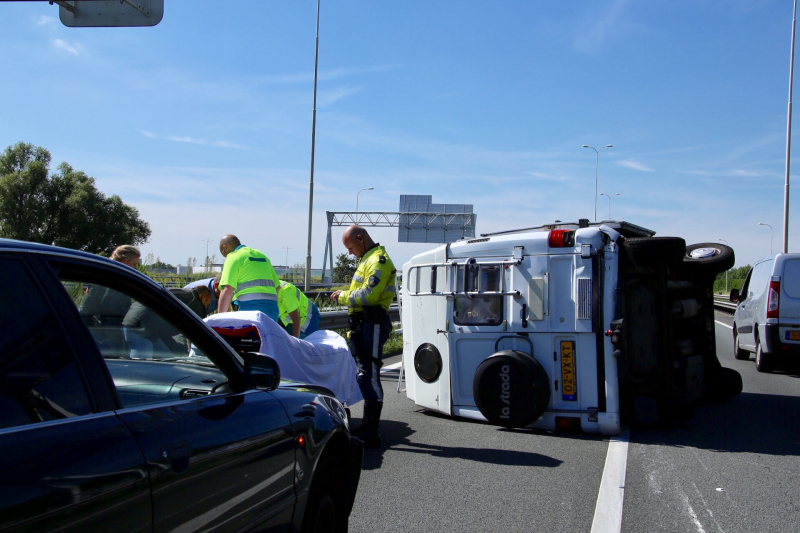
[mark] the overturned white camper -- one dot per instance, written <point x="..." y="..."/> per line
<point x="572" y="326"/>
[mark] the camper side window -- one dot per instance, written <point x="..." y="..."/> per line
<point x="479" y="310"/>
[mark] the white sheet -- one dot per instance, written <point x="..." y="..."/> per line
<point x="323" y="358"/>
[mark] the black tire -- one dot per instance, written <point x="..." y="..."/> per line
<point x="726" y="384"/>
<point x="738" y="353"/>
<point x="325" y="511"/>
<point x="764" y="361"/>
<point x="650" y="249"/>
<point x="511" y="389"/>
<point x="723" y="259"/>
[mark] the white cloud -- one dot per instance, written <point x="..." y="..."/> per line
<point x="635" y="165"/>
<point x="551" y="177"/>
<point x="43" y="20"/>
<point x="735" y="172"/>
<point x="192" y="140"/>
<point x="328" y="75"/>
<point x="329" y="97"/>
<point x="63" y="45"/>
<point x="600" y="28"/>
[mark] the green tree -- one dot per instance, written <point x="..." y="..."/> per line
<point x="344" y="268"/>
<point x="64" y="208"/>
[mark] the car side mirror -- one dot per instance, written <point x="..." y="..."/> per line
<point x="734" y="295"/>
<point x="261" y="371"/>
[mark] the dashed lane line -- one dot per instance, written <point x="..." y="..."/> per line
<point x="608" y="511"/>
<point x="723" y="324"/>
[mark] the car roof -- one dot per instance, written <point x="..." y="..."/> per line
<point x="35" y="247"/>
<point x="38" y="247"/>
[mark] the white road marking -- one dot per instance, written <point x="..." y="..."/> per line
<point x="608" y="511"/>
<point x="393" y="366"/>
<point x="723" y="324"/>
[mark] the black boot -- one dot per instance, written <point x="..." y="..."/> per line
<point x="369" y="432"/>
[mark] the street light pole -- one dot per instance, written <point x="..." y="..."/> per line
<point x="609" y="202"/>
<point x="313" y="139"/>
<point x="287" y="248"/>
<point x="207" y="259"/>
<point x="770" y="235"/>
<point x="359" y="192"/>
<point x="788" y="141"/>
<point x="726" y="272"/>
<point x="596" y="165"/>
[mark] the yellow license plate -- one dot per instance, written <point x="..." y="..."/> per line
<point x="569" y="388"/>
<point x="793" y="335"/>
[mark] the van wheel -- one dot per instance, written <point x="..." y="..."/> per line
<point x="763" y="360"/>
<point x="649" y="249"/>
<point x="708" y="259"/>
<point x="738" y="353"/>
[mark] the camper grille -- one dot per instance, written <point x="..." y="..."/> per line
<point x="584" y="298"/>
<point x="473" y="241"/>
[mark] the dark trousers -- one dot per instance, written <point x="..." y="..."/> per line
<point x="362" y="345"/>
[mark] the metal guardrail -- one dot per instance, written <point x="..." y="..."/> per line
<point x="723" y="303"/>
<point x="338" y="319"/>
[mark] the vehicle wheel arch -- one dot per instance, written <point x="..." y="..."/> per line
<point x="329" y="478"/>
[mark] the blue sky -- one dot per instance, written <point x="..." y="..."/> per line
<point x="204" y="122"/>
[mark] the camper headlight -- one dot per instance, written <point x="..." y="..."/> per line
<point x="428" y="362"/>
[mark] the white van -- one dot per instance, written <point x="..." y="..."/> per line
<point x="767" y="317"/>
<point x="572" y="326"/>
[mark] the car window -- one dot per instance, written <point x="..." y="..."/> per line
<point x="791" y="278"/>
<point x="39" y="378"/>
<point x="746" y="284"/>
<point x="128" y="332"/>
<point x="761" y="275"/>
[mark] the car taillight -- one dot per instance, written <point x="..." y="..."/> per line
<point x="774" y="300"/>
<point x="561" y="238"/>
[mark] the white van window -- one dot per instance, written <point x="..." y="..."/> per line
<point x="761" y="274"/>
<point x="791" y="278"/>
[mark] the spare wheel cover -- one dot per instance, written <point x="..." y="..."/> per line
<point x="511" y="389"/>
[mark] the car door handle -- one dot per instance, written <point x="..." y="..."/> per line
<point x="177" y="454"/>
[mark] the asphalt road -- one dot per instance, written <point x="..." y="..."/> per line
<point x="734" y="467"/>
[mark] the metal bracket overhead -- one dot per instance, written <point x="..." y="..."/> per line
<point x="143" y="7"/>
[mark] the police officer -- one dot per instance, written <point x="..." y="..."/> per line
<point x="248" y="278"/>
<point x="299" y="316"/>
<point x="371" y="292"/>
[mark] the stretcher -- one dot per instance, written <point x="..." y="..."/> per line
<point x="323" y="358"/>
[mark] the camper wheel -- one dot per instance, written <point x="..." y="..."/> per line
<point x="647" y="250"/>
<point x="708" y="259"/>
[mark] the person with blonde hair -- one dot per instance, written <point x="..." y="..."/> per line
<point x="127" y="254"/>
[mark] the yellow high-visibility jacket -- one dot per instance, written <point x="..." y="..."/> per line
<point x="373" y="282"/>
<point x="250" y="274"/>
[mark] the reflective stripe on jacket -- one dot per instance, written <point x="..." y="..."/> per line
<point x="250" y="274"/>
<point x="290" y="298"/>
<point x="373" y="282"/>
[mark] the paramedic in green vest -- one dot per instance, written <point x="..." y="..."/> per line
<point x="371" y="292"/>
<point x="247" y="279"/>
<point x="299" y="316"/>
